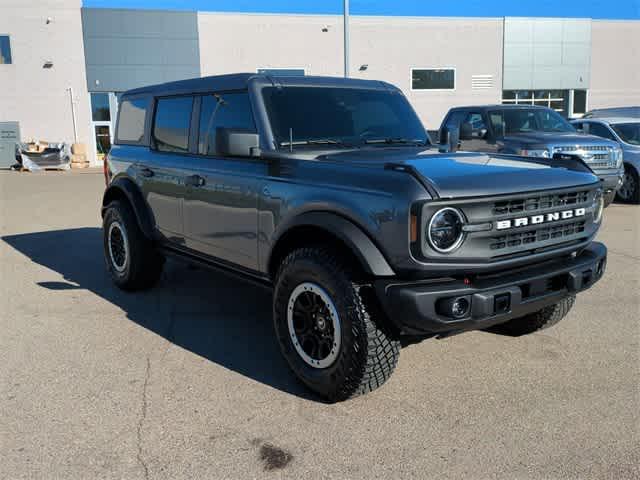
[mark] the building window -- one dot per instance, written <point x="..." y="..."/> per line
<point x="5" y="50"/>
<point x="282" y="72"/>
<point x="579" y="102"/>
<point x="433" y="79"/>
<point x="172" y="124"/>
<point x="100" y="110"/>
<point x="554" y="99"/>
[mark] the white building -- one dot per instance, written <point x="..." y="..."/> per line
<point x="59" y="61"/>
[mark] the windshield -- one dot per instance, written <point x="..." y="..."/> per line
<point x="341" y="116"/>
<point x="521" y="120"/>
<point x="628" y="132"/>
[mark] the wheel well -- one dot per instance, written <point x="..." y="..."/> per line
<point x="308" y="235"/>
<point x="113" y="194"/>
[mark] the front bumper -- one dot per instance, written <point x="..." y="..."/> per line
<point x="610" y="181"/>
<point x="416" y="308"/>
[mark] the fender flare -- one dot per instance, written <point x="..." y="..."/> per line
<point x="127" y="188"/>
<point x="353" y="236"/>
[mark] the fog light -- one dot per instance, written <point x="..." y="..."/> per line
<point x="457" y="307"/>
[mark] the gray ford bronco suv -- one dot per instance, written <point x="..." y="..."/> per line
<point x="328" y="191"/>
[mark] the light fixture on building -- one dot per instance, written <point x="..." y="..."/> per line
<point x="364" y="67"/>
<point x="325" y="29"/>
<point x="48" y="64"/>
<point x="49" y="20"/>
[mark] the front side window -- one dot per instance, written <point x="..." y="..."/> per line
<point x="132" y="119"/>
<point x="229" y="110"/>
<point x="521" y="120"/>
<point x="172" y="124"/>
<point x="628" y="132"/>
<point x="478" y="127"/>
<point x="341" y="115"/>
<point x="5" y="50"/>
<point x="433" y="79"/>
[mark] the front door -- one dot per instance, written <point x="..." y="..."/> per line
<point x="221" y="209"/>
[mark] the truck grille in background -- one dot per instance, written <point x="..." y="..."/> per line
<point x="538" y="235"/>
<point x="596" y="156"/>
<point x="533" y="204"/>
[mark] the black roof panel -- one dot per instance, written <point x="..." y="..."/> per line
<point x="240" y="81"/>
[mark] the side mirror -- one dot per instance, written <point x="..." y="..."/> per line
<point x="466" y="131"/>
<point x="237" y="142"/>
<point x="449" y="139"/>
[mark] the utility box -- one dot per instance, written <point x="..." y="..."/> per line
<point x="9" y="137"/>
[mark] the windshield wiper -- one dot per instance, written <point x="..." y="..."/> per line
<point x="392" y="141"/>
<point x="318" y="141"/>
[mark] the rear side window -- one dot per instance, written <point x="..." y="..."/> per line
<point x="133" y="114"/>
<point x="172" y="124"/>
<point x="229" y="110"/>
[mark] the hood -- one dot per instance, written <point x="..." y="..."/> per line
<point x="463" y="175"/>
<point x="556" y="139"/>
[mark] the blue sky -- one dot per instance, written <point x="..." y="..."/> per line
<point x="614" y="9"/>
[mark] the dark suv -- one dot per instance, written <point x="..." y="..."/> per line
<point x="532" y="131"/>
<point x="328" y="190"/>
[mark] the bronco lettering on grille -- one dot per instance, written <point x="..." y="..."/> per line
<point x="538" y="219"/>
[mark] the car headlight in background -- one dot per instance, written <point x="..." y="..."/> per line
<point x="444" y="231"/>
<point x="541" y="153"/>
<point x="617" y="156"/>
<point x="598" y="206"/>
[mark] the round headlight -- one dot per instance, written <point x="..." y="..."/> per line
<point x="598" y="206"/>
<point x="445" y="230"/>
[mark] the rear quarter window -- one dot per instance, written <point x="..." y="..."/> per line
<point x="131" y="121"/>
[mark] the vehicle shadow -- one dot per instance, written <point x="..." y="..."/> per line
<point x="214" y="316"/>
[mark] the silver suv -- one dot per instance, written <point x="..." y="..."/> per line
<point x="625" y="131"/>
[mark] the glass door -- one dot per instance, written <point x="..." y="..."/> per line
<point x="102" y="134"/>
<point x="101" y="115"/>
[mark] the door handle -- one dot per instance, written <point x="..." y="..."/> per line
<point x="195" y="181"/>
<point x="146" y="172"/>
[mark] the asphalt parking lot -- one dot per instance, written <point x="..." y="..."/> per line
<point x="186" y="381"/>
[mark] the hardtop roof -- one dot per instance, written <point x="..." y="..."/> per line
<point x="240" y="81"/>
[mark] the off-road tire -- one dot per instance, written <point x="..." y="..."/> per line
<point x="545" y="318"/>
<point x="368" y="352"/>
<point x="143" y="265"/>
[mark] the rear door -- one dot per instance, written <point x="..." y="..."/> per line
<point x="221" y="210"/>
<point x="163" y="173"/>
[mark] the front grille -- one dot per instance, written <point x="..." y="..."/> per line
<point x="516" y="225"/>
<point x="596" y="156"/>
<point x="533" y="204"/>
<point x="538" y="235"/>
